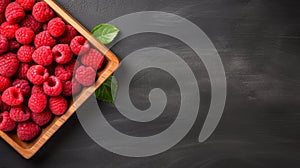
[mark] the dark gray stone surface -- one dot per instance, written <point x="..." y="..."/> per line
<point x="258" y="42"/>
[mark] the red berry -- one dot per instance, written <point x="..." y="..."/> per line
<point x="14" y="45"/>
<point x="14" y="13"/>
<point x="58" y="105"/>
<point x="68" y="35"/>
<point x="4" y="83"/>
<point x="22" y="71"/>
<point x="36" y="89"/>
<point x="85" y="75"/>
<point x="6" y="123"/>
<point x="37" y="102"/>
<point x="9" y="64"/>
<point x="72" y="66"/>
<point x="76" y="87"/>
<point x="67" y="88"/>
<point x="56" y="27"/>
<point x="3" y="44"/>
<point x="4" y="106"/>
<point x="37" y="74"/>
<point x="53" y="86"/>
<point x="42" y="118"/>
<point x="62" y="53"/>
<point x="19" y="113"/>
<point x="28" y="130"/>
<point x="23" y="85"/>
<point x="26" y="4"/>
<point x="71" y="87"/>
<point x="44" y="39"/>
<point x="62" y="74"/>
<point x="24" y="35"/>
<point x="3" y="5"/>
<point x="31" y="23"/>
<point x="25" y="53"/>
<point x="12" y="96"/>
<point x="42" y="12"/>
<point x="79" y="45"/>
<point x="43" y="56"/>
<point x="93" y="59"/>
<point x="8" y="30"/>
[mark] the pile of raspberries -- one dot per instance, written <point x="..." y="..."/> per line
<point x="43" y="62"/>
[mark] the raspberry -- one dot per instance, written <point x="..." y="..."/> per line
<point x="79" y="45"/>
<point x="53" y="86"/>
<point x="36" y="89"/>
<point x="62" y="74"/>
<point x="42" y="12"/>
<point x="3" y="5"/>
<point x="9" y="64"/>
<point x="28" y="130"/>
<point x="71" y="66"/>
<point x="23" y="85"/>
<point x="67" y="88"/>
<point x="71" y="87"/>
<point x="43" y="56"/>
<point x="56" y="27"/>
<point x="76" y="87"/>
<point x="4" y="83"/>
<point x="3" y="44"/>
<point x="44" y="39"/>
<point x="58" y="105"/>
<point x="93" y="59"/>
<point x="31" y="23"/>
<point x="37" y="74"/>
<point x="8" y="30"/>
<point x="22" y="71"/>
<point x="85" y="75"/>
<point x="25" y="53"/>
<point x="24" y="35"/>
<point x="14" y="13"/>
<point x="4" y="106"/>
<point x="6" y="123"/>
<point x="14" y="45"/>
<point x="42" y="118"/>
<point x="19" y="113"/>
<point x="62" y="53"/>
<point x="12" y="96"/>
<point x="26" y="4"/>
<point x="37" y="102"/>
<point x="68" y="35"/>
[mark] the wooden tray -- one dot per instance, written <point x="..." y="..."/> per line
<point x="27" y="150"/>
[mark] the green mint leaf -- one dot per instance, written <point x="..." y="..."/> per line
<point x="108" y="90"/>
<point x="105" y="33"/>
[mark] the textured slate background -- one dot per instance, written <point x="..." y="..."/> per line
<point x="258" y="42"/>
